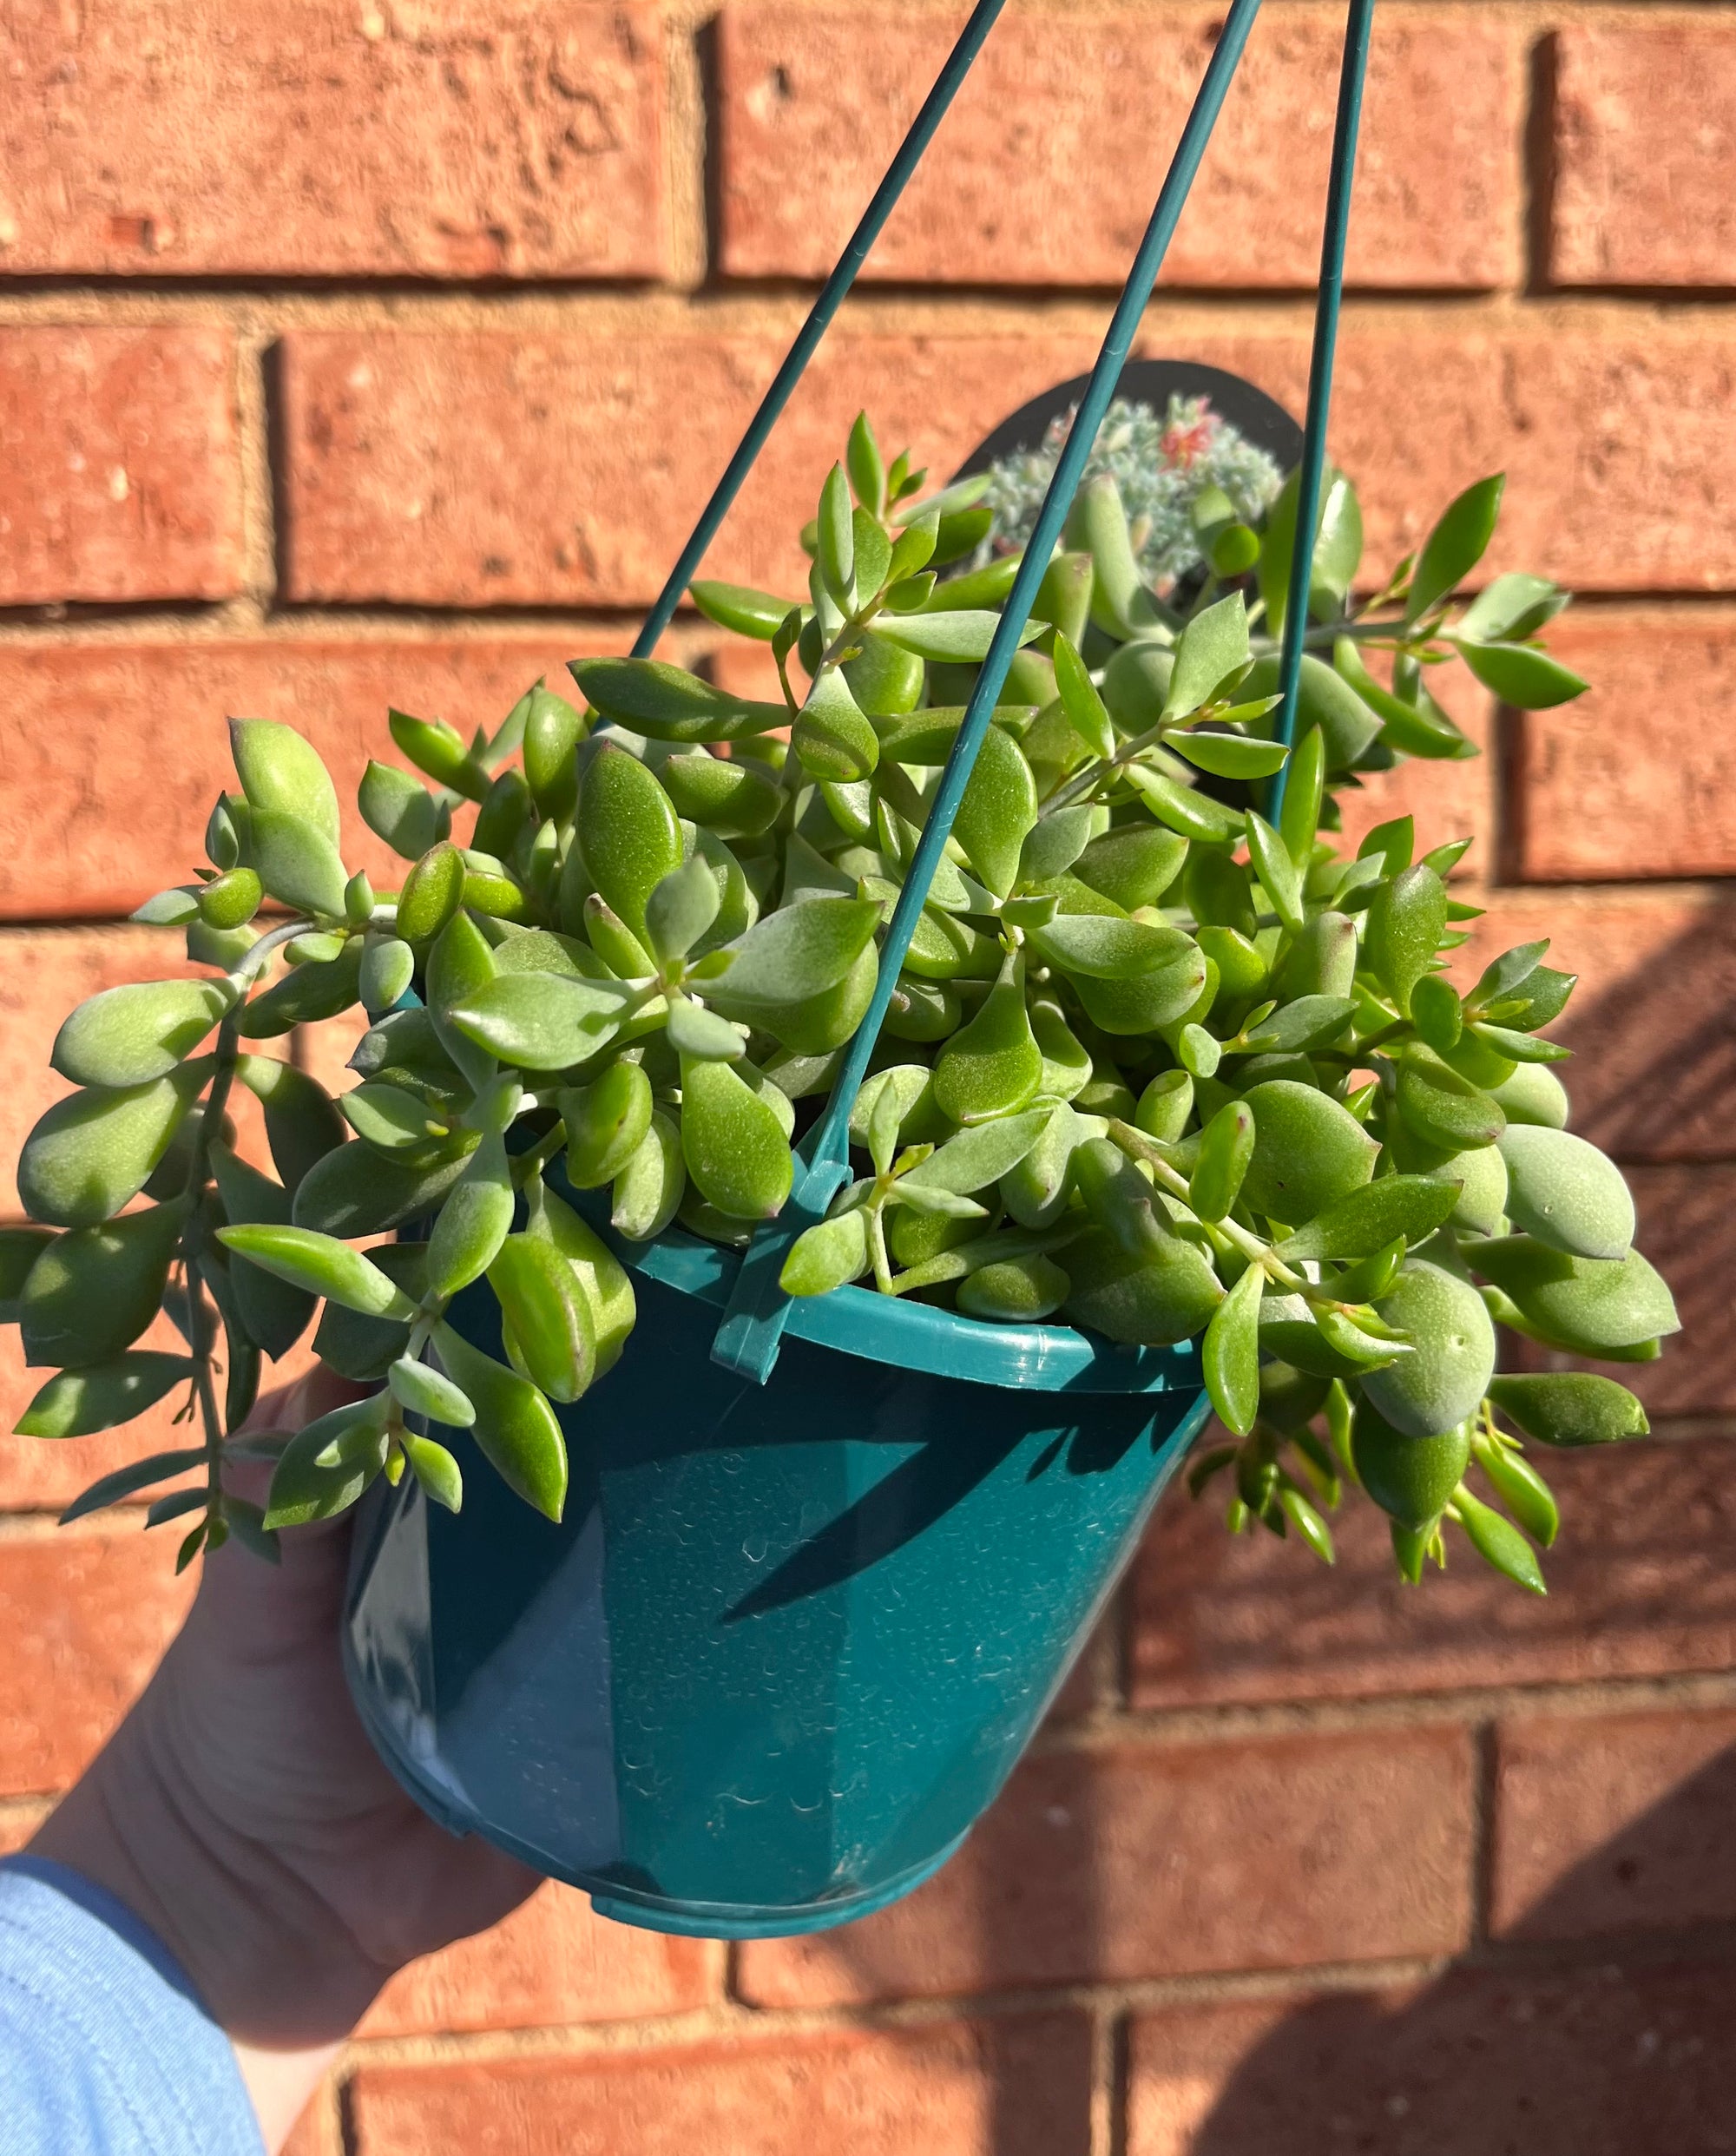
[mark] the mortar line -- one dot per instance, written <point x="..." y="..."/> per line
<point x="771" y="309"/>
<point x="1177" y="1728"/>
<point x="327" y="2108"/>
<point x="1484" y="1770"/>
<point x="1538" y="168"/>
<point x="195" y="620"/>
<point x="688" y="122"/>
<point x="1111" y="2046"/>
<point x="259" y="539"/>
<point x="248" y="618"/>
<point x="365" y="623"/>
<point x="20" y="1816"/>
<point x="1112" y="2000"/>
<point x="721" y="2021"/>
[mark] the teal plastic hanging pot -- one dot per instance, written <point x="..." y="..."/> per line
<point x="789" y="1640"/>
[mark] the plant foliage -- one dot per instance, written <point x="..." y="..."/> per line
<point x="1164" y="1061"/>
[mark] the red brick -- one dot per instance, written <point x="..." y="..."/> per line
<point x="1013" y="2086"/>
<point x="500" y="468"/>
<point x="1603" y="2061"/>
<point x="1636" y="778"/>
<point x="748" y="669"/>
<point x="18" y="1822"/>
<point x="323" y="1051"/>
<point x="1640" y="1586"/>
<point x="1613" y="1822"/>
<point x="1614" y="467"/>
<point x="1644" y="154"/>
<point x="551" y="1960"/>
<point x="1145" y="1861"/>
<point x="1610" y="438"/>
<point x="581" y="461"/>
<point x="1042" y="176"/>
<point x="115" y="753"/>
<point x="1688" y="1228"/>
<point x="86" y="1614"/>
<point x="1652" y="1022"/>
<point x="181" y="138"/>
<point x="121" y="476"/>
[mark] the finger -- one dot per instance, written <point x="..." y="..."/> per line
<point x="292" y="1407"/>
<point x="288" y="1409"/>
<point x="283" y="1411"/>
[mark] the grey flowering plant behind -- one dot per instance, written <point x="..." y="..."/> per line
<point x="1158" y="1063"/>
<point x="1161" y="468"/>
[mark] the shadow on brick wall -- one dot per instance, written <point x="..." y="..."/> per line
<point x="1654" y="1073"/>
<point x="1653" y="1083"/>
<point x="1598" y="2028"/>
<point x="1597" y="2022"/>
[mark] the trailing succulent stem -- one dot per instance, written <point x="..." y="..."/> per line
<point x="1162" y="1061"/>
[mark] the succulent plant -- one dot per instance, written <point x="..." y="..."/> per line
<point x="1160" y="467"/>
<point x="1159" y="1063"/>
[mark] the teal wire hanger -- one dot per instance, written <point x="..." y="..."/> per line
<point x="911" y="151"/>
<point x="1311" y="474"/>
<point x="748" y="1339"/>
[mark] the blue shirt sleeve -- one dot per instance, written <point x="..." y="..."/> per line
<point x="104" y="2049"/>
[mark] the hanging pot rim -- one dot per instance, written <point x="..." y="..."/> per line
<point x="911" y="1336"/>
<point x="886" y="1329"/>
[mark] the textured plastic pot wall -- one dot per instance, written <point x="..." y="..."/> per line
<point x="786" y="1643"/>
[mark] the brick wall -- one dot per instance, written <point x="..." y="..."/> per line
<point x="383" y="350"/>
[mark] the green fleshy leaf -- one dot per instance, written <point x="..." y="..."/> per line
<point x="542" y="1021"/>
<point x="1100" y="947"/>
<point x="299" y="863"/>
<point x="1570" y="1408"/>
<point x="130" y="1035"/>
<point x="1455" y="546"/>
<point x="1412" y="1206"/>
<point x="76" y="1402"/>
<point x="826" y="1256"/>
<point x="327" y="1466"/>
<point x="127" y="1481"/>
<point x="979" y="1156"/>
<point x="320" y="1264"/>
<point x="93" y="1152"/>
<point x="93" y="1290"/>
<point x="515" y="1427"/>
<point x="649" y="696"/>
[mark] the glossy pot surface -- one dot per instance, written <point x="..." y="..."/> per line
<point x="787" y="1642"/>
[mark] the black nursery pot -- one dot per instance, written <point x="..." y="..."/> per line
<point x="1257" y="417"/>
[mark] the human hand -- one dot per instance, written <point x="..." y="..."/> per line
<point x="241" y="1813"/>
